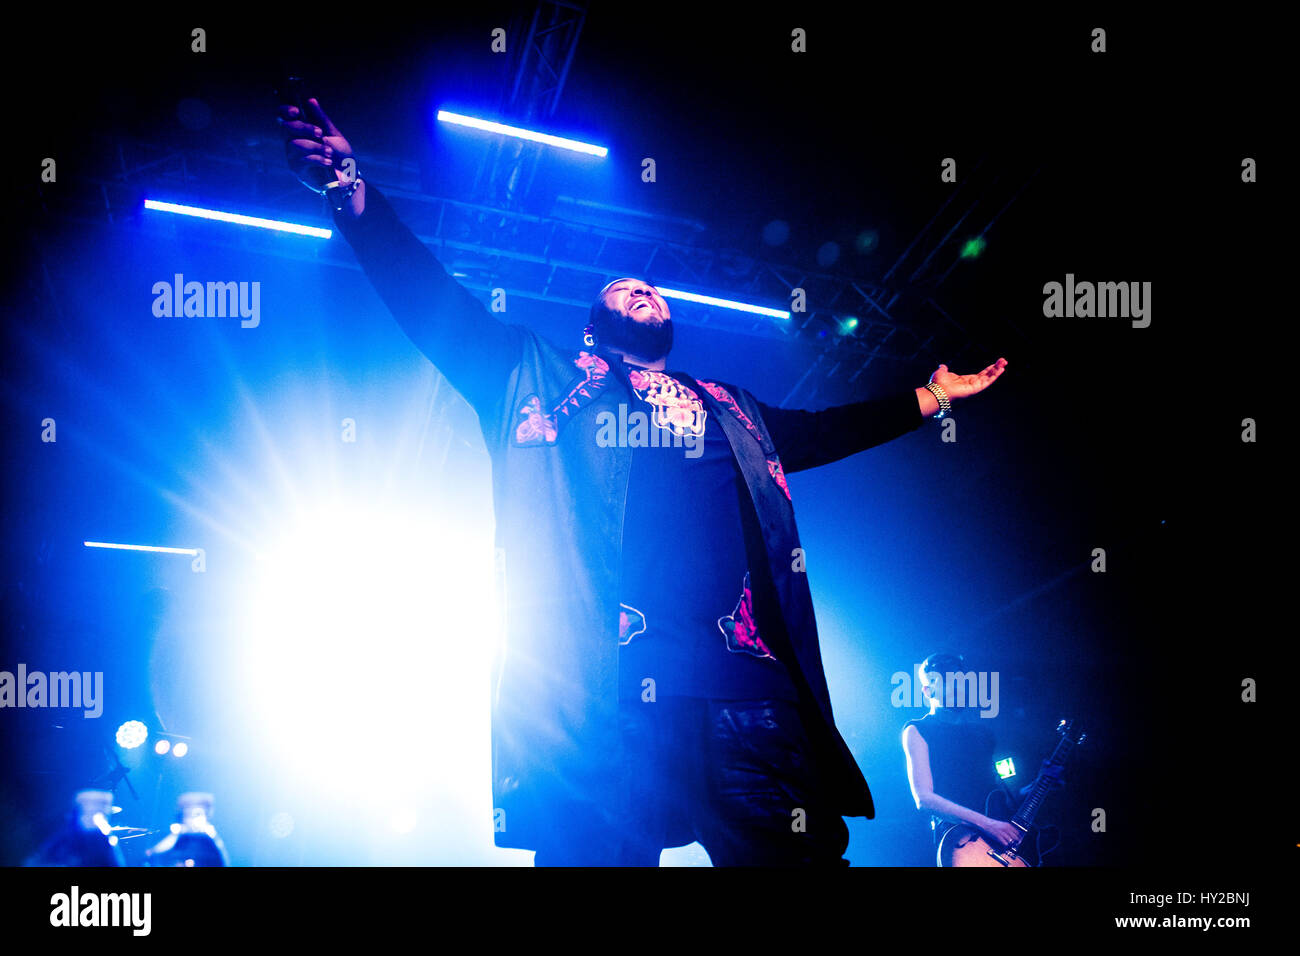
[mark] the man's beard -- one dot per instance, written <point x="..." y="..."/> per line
<point x="617" y="331"/>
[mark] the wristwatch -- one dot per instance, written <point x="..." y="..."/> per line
<point x="945" y="403"/>
<point x="339" y="193"/>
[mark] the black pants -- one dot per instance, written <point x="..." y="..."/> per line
<point x="737" y="776"/>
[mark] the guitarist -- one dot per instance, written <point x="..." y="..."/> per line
<point x="950" y="757"/>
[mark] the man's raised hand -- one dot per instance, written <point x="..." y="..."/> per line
<point x="317" y="152"/>
<point x="963" y="386"/>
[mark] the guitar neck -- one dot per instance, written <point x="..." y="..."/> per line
<point x="1024" y="817"/>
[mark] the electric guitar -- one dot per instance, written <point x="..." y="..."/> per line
<point x="965" y="845"/>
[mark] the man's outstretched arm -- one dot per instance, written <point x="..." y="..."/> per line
<point x="454" y="330"/>
<point x="808" y="439"/>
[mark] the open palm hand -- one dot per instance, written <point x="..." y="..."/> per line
<point x="963" y="386"/>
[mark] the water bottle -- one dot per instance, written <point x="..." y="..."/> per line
<point x="193" y="840"/>
<point x="86" y="839"/>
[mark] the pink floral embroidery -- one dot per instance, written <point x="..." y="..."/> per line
<point x="631" y="622"/>
<point x="739" y="627"/>
<point x="773" y="464"/>
<point x="589" y="360"/>
<point x="725" y="397"/>
<point x="536" y="428"/>
<point x="778" y="475"/>
<point x="596" y="368"/>
<point x="676" y="406"/>
<point x="540" y="429"/>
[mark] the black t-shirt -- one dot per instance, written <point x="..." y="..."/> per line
<point x="961" y="759"/>
<point x="686" y="615"/>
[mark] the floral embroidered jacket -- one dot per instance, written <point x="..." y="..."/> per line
<point x="559" y="498"/>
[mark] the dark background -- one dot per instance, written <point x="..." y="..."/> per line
<point x="1099" y="435"/>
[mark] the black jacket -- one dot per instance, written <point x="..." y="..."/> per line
<point x="559" y="498"/>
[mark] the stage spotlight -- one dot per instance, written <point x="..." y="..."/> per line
<point x="721" y="303"/>
<point x="848" y="325"/>
<point x="547" y="139"/>
<point x="776" y="232"/>
<point x="973" y="248"/>
<point x="181" y="749"/>
<point x="828" y="254"/>
<point x="132" y="734"/>
<point x="162" y="746"/>
<point x="237" y="218"/>
<point x="387" y="605"/>
<point x="867" y="241"/>
<point x="140" y="547"/>
<point x="1006" y="768"/>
